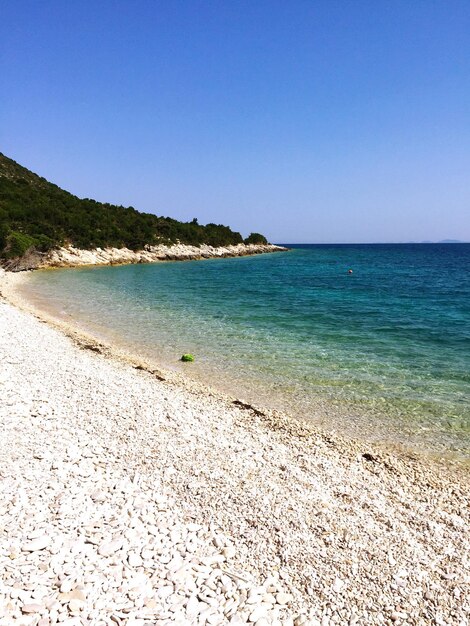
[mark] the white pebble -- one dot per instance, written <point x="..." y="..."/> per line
<point x="36" y="544"/>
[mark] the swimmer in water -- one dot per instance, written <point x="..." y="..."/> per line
<point x="350" y="271"/>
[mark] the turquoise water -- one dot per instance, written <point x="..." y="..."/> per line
<point x="383" y="353"/>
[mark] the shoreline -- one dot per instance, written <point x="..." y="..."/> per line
<point x="278" y="420"/>
<point x="355" y="532"/>
<point x="324" y="417"/>
<point x="163" y="371"/>
<point x="71" y="256"/>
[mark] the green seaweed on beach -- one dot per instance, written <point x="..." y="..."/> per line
<point x="187" y="358"/>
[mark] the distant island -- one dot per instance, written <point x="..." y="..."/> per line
<point x="451" y="241"/>
<point x="440" y="241"/>
<point x="38" y="217"/>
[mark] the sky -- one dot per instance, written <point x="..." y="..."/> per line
<point x="309" y="121"/>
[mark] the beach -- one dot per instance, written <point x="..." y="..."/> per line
<point x="132" y="495"/>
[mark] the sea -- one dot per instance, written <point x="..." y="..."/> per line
<point x="381" y="353"/>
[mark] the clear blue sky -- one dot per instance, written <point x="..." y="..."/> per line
<point x="310" y="121"/>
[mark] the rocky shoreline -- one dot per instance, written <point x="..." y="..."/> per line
<point x="70" y="256"/>
<point x="135" y="496"/>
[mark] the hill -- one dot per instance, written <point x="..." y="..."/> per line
<point x="38" y="215"/>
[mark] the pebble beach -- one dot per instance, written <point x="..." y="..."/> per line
<point x="135" y="496"/>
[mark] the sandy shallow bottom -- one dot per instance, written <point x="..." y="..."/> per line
<point x="131" y="496"/>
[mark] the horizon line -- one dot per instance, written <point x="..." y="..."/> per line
<point x="370" y="243"/>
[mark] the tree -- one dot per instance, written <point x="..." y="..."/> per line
<point x="256" y="238"/>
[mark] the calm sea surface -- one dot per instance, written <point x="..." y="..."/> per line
<point x="383" y="353"/>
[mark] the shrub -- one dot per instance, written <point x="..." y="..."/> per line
<point x="4" y="230"/>
<point x="43" y="243"/>
<point x="18" y="244"/>
<point x="256" y="238"/>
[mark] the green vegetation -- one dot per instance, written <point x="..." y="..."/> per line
<point x="256" y="238"/>
<point x="36" y="214"/>
<point x="187" y="358"/>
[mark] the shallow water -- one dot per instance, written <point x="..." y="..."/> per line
<point x="383" y="353"/>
